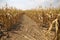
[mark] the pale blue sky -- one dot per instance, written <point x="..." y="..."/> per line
<point x="28" y="4"/>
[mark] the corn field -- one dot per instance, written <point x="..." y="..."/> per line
<point x="49" y="19"/>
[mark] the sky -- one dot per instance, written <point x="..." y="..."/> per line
<point x="29" y="4"/>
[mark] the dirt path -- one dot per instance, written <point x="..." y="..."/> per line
<point x="29" y="31"/>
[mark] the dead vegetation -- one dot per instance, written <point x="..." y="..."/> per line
<point x="46" y="18"/>
<point x="50" y="19"/>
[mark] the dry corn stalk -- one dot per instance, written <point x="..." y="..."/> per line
<point x="56" y="26"/>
